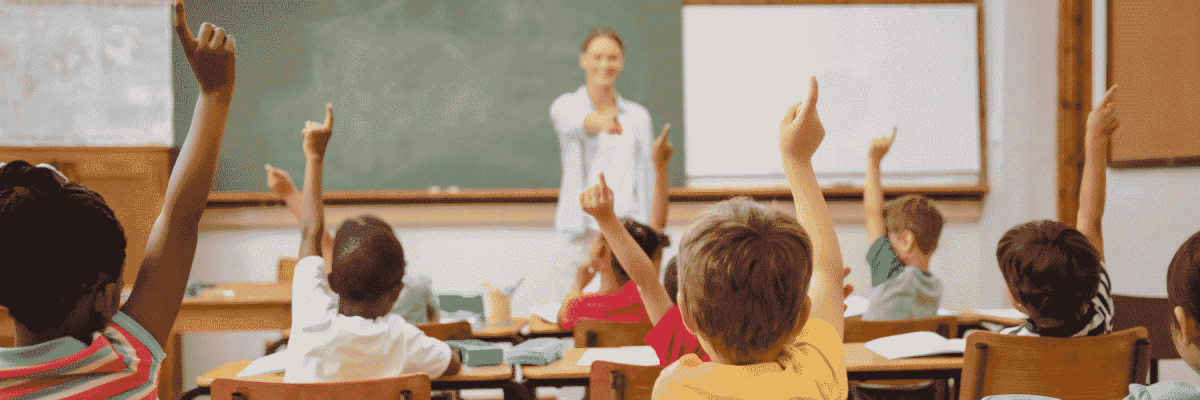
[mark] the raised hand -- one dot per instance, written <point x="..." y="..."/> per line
<point x="212" y="54"/>
<point x="597" y="200"/>
<point x="800" y="131"/>
<point x="663" y="149"/>
<point x="881" y="145"/>
<point x="316" y="136"/>
<point x="1103" y="119"/>
<point x="279" y="181"/>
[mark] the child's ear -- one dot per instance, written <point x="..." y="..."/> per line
<point x="107" y="300"/>
<point x="582" y="62"/>
<point x="688" y="322"/>
<point x="1187" y="325"/>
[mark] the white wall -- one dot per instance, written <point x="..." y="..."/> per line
<point x="1021" y="91"/>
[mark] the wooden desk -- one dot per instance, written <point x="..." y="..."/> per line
<point x="968" y="317"/>
<point x="539" y="327"/>
<point x="502" y="332"/>
<point x="493" y="377"/>
<point x="861" y="364"/>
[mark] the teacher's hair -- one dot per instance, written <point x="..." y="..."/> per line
<point x="602" y="32"/>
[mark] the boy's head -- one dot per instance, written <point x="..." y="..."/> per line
<point x="744" y="273"/>
<point x="1051" y="270"/>
<point x="671" y="279"/>
<point x="368" y="261"/>
<point x="61" y="246"/>
<point x="651" y="241"/>
<point x="915" y="221"/>
<point x="1183" y="295"/>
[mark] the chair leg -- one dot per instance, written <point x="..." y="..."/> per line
<point x="1153" y="371"/>
<point x="196" y="392"/>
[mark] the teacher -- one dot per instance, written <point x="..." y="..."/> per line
<point x="599" y="131"/>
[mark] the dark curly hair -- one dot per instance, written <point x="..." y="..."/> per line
<point x="1183" y="279"/>
<point x="1051" y="269"/>
<point x="368" y="260"/>
<point x="651" y="241"/>
<point x="57" y="242"/>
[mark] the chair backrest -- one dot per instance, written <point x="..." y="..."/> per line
<point x="460" y="330"/>
<point x="1151" y="312"/>
<point x="408" y="387"/>
<point x="1097" y="367"/>
<point x="286" y="268"/>
<point x="857" y="331"/>
<point x="594" y="333"/>
<point x="615" y="381"/>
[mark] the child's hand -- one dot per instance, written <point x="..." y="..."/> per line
<point x="1103" y="119"/>
<point x="597" y="200"/>
<point x="881" y="145"/>
<point x="212" y="54"/>
<point x="663" y="149"/>
<point x="801" y="132"/>
<point x="316" y="136"/>
<point x="279" y="181"/>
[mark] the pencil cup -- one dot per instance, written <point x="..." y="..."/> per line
<point x="497" y="307"/>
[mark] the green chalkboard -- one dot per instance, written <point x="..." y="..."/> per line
<point x="425" y="93"/>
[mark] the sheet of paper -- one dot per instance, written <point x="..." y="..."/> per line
<point x="635" y="355"/>
<point x="942" y="312"/>
<point x="1003" y="312"/>
<point x="915" y="344"/>
<point x="548" y="311"/>
<point x="855" y="305"/>
<point x="268" y="364"/>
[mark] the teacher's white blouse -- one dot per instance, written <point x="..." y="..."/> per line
<point x="624" y="159"/>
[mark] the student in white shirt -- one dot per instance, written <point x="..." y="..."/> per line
<point x="599" y="131"/>
<point x="342" y="328"/>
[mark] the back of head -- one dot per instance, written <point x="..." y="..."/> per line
<point x="1183" y="279"/>
<point x="58" y="242"/>
<point x="744" y="273"/>
<point x="1051" y="269"/>
<point x="368" y="260"/>
<point x="650" y="240"/>
<point x="918" y="214"/>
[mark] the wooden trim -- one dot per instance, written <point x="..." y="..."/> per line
<point x="983" y="137"/>
<point x="550" y="195"/>
<point x="1074" y="95"/>
<point x="818" y="2"/>
<point x="1193" y="161"/>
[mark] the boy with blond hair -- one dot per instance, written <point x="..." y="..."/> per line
<point x="904" y="234"/>
<point x="762" y="291"/>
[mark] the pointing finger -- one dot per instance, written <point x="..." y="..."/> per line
<point x="812" y="92"/>
<point x="186" y="39"/>
<point x="602" y="182"/>
<point x="666" y="131"/>
<point x="328" y="115"/>
<point x="893" y="137"/>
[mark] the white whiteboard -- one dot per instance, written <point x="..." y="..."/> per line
<point x="85" y="73"/>
<point x="878" y="66"/>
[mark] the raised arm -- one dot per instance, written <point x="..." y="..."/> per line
<point x="800" y="134"/>
<point x="1101" y="123"/>
<point x="873" y="189"/>
<point x="281" y="184"/>
<point x="312" y="212"/>
<point x="597" y="201"/>
<point x="662" y="160"/>
<point x="163" y="276"/>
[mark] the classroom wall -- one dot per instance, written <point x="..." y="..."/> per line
<point x="1021" y="91"/>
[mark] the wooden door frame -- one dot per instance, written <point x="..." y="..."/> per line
<point x="1074" y="100"/>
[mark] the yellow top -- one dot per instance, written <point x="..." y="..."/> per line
<point x="812" y="366"/>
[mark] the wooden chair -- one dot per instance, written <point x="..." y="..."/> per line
<point x="857" y="331"/>
<point x="594" y="333"/>
<point x="1155" y="315"/>
<point x="460" y="330"/>
<point x="286" y="269"/>
<point x="610" y="380"/>
<point x="407" y="387"/>
<point x="1097" y="367"/>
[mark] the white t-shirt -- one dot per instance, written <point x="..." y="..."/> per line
<point x="624" y="159"/>
<point x="331" y="347"/>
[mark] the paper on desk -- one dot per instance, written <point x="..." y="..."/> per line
<point x="634" y="355"/>
<point x="855" y="305"/>
<point x="268" y="364"/>
<point x="1003" y="312"/>
<point x="548" y="311"/>
<point x="916" y="344"/>
<point x="942" y="312"/>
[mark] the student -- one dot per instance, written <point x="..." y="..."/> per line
<point x="64" y="252"/>
<point x="904" y="235"/>
<point x="1183" y="296"/>
<point x="416" y="303"/>
<point x="342" y="329"/>
<point x="1055" y="273"/>
<point x="762" y="295"/>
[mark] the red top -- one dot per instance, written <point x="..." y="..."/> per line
<point x="623" y="306"/>
<point x="671" y="340"/>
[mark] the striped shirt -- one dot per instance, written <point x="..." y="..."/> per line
<point x="1099" y="318"/>
<point x="121" y="363"/>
